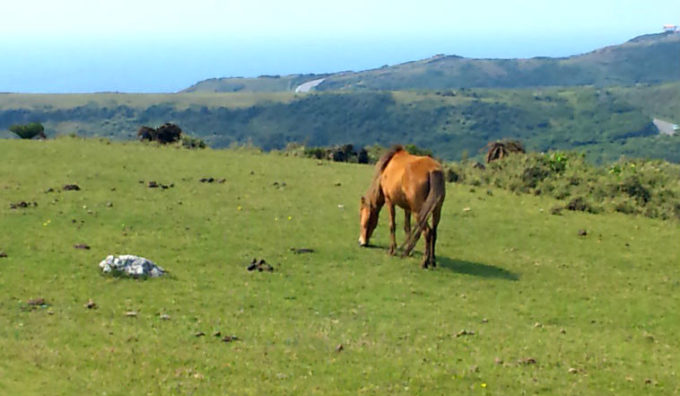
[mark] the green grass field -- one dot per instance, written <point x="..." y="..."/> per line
<point x="520" y="303"/>
<point x="179" y="101"/>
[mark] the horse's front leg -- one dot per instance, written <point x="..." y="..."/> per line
<point x="407" y="225"/>
<point x="393" y="238"/>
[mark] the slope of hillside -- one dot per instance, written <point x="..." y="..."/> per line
<point x="648" y="59"/>
<point x="259" y="84"/>
<point x="645" y="59"/>
<point x="601" y="122"/>
<point x="659" y="101"/>
<point x="519" y="303"/>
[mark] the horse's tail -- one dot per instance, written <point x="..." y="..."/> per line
<point x="435" y="197"/>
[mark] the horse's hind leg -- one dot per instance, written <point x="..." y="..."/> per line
<point x="427" y="257"/>
<point x="407" y="251"/>
<point x="436" y="215"/>
<point x="393" y="227"/>
<point x="431" y="243"/>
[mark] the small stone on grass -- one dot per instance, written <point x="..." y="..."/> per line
<point x="465" y="333"/>
<point x="527" y="361"/>
<point x="34" y="302"/>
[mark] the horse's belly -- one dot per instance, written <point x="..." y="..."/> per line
<point x="398" y="198"/>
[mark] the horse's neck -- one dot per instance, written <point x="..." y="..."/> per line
<point x="377" y="197"/>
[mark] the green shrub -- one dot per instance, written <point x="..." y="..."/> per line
<point x="191" y="142"/>
<point x="338" y="153"/>
<point x="647" y="187"/>
<point x="415" y="150"/>
<point x="634" y="188"/>
<point x="28" y="131"/>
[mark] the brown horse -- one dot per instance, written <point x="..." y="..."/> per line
<point x="414" y="183"/>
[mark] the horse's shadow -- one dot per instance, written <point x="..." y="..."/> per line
<point x="465" y="267"/>
<point x="476" y="269"/>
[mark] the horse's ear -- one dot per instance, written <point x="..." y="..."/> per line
<point x="363" y="200"/>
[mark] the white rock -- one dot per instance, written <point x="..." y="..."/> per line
<point x="131" y="265"/>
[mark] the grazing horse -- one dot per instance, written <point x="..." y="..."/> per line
<point x="415" y="184"/>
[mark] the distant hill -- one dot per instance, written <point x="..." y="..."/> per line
<point x="605" y="123"/>
<point x="646" y="59"/>
<point x="258" y="84"/>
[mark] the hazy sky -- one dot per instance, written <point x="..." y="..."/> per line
<point x="146" y="46"/>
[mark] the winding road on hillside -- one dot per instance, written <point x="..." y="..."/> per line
<point x="665" y="127"/>
<point x="308" y="86"/>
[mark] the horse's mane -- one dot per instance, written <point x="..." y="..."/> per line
<point x="374" y="190"/>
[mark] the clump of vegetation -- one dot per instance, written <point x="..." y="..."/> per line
<point x="501" y="148"/>
<point x="29" y="131"/>
<point x="191" y="142"/>
<point x="339" y="153"/>
<point x="164" y="134"/>
<point x="415" y="150"/>
<point x="347" y="152"/>
<point x="644" y="187"/>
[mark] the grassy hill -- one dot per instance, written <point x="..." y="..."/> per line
<point x="646" y="59"/>
<point x="605" y="123"/>
<point x="662" y="101"/>
<point x="520" y="302"/>
<point x="259" y="84"/>
<point x="649" y="59"/>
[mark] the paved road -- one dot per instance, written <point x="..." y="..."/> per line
<point x="308" y="86"/>
<point x="665" y="127"/>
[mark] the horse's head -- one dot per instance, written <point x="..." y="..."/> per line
<point x="368" y="218"/>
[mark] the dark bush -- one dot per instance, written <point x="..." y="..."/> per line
<point x="451" y="175"/>
<point x="534" y="175"/>
<point x="315" y="152"/>
<point x="635" y="189"/>
<point x="168" y="133"/>
<point x="164" y="134"/>
<point x="501" y="148"/>
<point x="362" y="157"/>
<point x="344" y="153"/>
<point x="579" y="204"/>
<point x="146" y="133"/>
<point x="29" y="131"/>
<point x="193" y="142"/>
<point x="341" y="153"/>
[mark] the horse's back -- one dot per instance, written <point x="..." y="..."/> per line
<point x="405" y="180"/>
